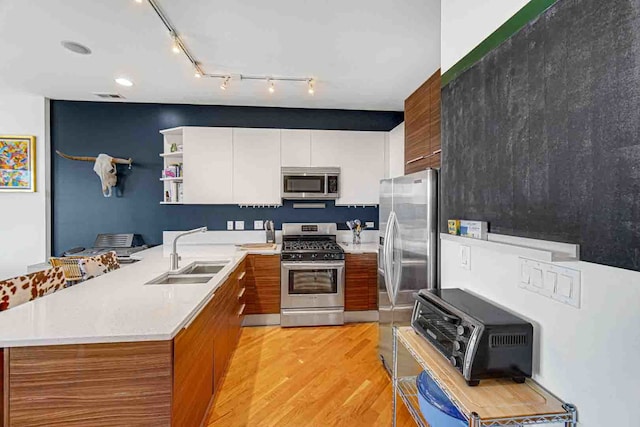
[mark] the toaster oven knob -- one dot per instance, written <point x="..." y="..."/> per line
<point x="458" y="346"/>
<point x="462" y="330"/>
<point x="455" y="361"/>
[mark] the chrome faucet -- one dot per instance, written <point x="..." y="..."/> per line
<point x="174" y="258"/>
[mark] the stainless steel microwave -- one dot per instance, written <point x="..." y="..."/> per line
<point x="310" y="183"/>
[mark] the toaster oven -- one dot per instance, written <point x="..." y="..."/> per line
<point x="480" y="339"/>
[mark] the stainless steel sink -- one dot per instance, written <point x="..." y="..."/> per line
<point x="201" y="268"/>
<point x="180" y="279"/>
<point x="194" y="273"/>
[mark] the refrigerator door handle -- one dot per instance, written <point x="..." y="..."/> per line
<point x="388" y="278"/>
<point x="397" y="263"/>
<point x="388" y="256"/>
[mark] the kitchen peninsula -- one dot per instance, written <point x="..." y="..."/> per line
<point x="153" y="353"/>
<point x="119" y="351"/>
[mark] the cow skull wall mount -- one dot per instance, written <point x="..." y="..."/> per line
<point x="104" y="167"/>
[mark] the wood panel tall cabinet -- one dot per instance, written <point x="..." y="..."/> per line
<point x="422" y="126"/>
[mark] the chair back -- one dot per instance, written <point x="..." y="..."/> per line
<point x="70" y="265"/>
<point x="95" y="266"/>
<point x="22" y="289"/>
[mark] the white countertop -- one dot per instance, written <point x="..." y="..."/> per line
<point x="118" y="306"/>
<point x="362" y="248"/>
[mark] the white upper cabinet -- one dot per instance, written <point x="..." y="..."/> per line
<point x="207" y="165"/>
<point x="361" y="158"/>
<point x="295" y="147"/>
<point x="256" y="166"/>
<point x="242" y="165"/>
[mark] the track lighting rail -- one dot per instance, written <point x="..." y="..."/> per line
<point x="199" y="71"/>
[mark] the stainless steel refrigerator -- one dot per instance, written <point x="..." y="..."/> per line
<point x="407" y="259"/>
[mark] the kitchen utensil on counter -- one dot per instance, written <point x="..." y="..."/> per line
<point x="356" y="228"/>
<point x="270" y="231"/>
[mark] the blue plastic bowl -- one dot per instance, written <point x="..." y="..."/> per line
<point x="436" y="407"/>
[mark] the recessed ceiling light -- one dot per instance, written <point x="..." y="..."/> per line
<point x="75" y="47"/>
<point x="124" y="82"/>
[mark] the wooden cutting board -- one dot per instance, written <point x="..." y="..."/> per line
<point x="266" y="246"/>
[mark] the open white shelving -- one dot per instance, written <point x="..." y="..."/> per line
<point x="172" y="185"/>
<point x="175" y="154"/>
<point x="542" y="250"/>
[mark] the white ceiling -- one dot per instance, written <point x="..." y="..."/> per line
<point x="364" y="54"/>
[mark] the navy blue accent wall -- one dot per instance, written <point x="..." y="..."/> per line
<point x="132" y="130"/>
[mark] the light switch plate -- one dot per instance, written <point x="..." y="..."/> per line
<point x="559" y="283"/>
<point x="465" y="257"/>
<point x="370" y="224"/>
<point x="229" y="225"/>
<point x="239" y="225"/>
<point x="257" y="225"/>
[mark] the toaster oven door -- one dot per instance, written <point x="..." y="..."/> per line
<point x="441" y="329"/>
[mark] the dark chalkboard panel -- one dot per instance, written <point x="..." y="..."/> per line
<point x="542" y="136"/>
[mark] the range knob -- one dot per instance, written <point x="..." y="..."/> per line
<point x="455" y="361"/>
<point x="458" y="346"/>
<point x="462" y="330"/>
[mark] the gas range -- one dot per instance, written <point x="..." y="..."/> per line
<point x="310" y="242"/>
<point x="312" y="275"/>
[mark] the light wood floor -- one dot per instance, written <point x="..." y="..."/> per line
<point x="299" y="377"/>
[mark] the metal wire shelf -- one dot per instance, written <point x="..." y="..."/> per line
<point x="406" y="388"/>
<point x="408" y="392"/>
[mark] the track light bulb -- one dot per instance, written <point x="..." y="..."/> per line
<point x="139" y="1"/>
<point x="175" y="47"/>
<point x="311" y="90"/>
<point x="272" y="87"/>
<point x="225" y="83"/>
<point x="197" y="74"/>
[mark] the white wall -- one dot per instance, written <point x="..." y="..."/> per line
<point x="396" y="152"/>
<point x="466" y="23"/>
<point x="587" y="356"/>
<point x="24" y="227"/>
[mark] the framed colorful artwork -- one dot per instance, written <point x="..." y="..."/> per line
<point x="17" y="163"/>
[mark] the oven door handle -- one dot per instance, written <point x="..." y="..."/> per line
<point x="312" y="265"/>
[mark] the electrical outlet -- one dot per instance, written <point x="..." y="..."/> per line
<point x="229" y="225"/>
<point x="370" y="224"/>
<point x="239" y="225"/>
<point x="257" y="225"/>
<point x="465" y="257"/>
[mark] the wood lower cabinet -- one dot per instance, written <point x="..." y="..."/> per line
<point x="3" y="383"/>
<point x="361" y="282"/>
<point x="193" y="368"/>
<point x="262" y="295"/>
<point x="158" y="383"/>
<point x="422" y="126"/>
<point x="227" y="322"/>
<point x="95" y="384"/>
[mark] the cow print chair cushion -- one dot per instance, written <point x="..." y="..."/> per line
<point x="98" y="265"/>
<point x="21" y="289"/>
